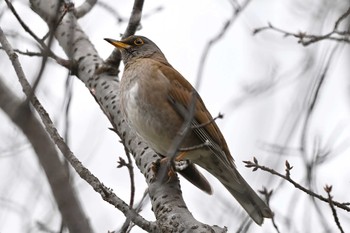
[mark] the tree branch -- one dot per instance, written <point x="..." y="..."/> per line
<point x="328" y="190"/>
<point x="83" y="172"/>
<point x="168" y="205"/>
<point x="237" y="10"/>
<point x="255" y="165"/>
<point x="307" y="39"/>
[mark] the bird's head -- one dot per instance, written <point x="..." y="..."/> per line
<point x="134" y="47"/>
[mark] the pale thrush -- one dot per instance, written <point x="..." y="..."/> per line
<point x="156" y="100"/>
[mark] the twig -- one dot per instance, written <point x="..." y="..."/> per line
<point x="112" y="11"/>
<point x="29" y="31"/>
<point x="172" y="152"/>
<point x="63" y="62"/>
<point x="195" y="147"/>
<point x="130" y="168"/>
<point x="152" y="12"/>
<point x="328" y="190"/>
<point x="237" y="10"/>
<point x="127" y="226"/>
<point x="255" y="165"/>
<point x="24" y="26"/>
<point x="219" y="116"/>
<point x="46" y="48"/>
<point x="267" y="194"/>
<point x="341" y="18"/>
<point x="307" y="39"/>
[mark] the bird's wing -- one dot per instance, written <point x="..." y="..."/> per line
<point x="180" y="96"/>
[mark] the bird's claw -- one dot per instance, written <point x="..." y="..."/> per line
<point x="165" y="169"/>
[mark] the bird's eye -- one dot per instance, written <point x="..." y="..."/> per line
<point x="138" y="41"/>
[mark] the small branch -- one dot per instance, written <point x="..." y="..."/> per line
<point x="109" y="8"/>
<point x="341" y="18"/>
<point x="307" y="39"/>
<point x="196" y="147"/>
<point x="22" y="23"/>
<point x="63" y="62"/>
<point x="128" y="224"/>
<point x="255" y="165"/>
<point x="130" y="168"/>
<point x="237" y="10"/>
<point x="219" y="116"/>
<point x="267" y="194"/>
<point x="47" y="52"/>
<point x="328" y="190"/>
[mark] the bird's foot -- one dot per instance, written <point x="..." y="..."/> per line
<point x="181" y="165"/>
<point x="165" y="169"/>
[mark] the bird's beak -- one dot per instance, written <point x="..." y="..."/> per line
<point x="117" y="43"/>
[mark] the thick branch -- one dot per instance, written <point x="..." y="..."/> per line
<point x="84" y="173"/>
<point x="168" y="205"/>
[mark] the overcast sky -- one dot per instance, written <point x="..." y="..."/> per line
<point x="235" y="66"/>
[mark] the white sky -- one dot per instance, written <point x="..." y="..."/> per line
<point x="240" y="60"/>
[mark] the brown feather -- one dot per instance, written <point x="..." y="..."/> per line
<point x="181" y="91"/>
<point x="158" y="100"/>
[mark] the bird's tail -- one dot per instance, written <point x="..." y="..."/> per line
<point x="247" y="198"/>
<point x="193" y="175"/>
<point x="238" y="187"/>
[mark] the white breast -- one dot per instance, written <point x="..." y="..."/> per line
<point x="131" y="108"/>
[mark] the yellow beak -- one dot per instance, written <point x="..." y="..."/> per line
<point x="117" y="43"/>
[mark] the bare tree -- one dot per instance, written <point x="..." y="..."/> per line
<point x="295" y="139"/>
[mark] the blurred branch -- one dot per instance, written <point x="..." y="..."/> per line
<point x="152" y="12"/>
<point x="109" y="8"/>
<point x="63" y="192"/>
<point x="307" y="39"/>
<point x="119" y="18"/>
<point x="314" y="98"/>
<point x="267" y="194"/>
<point x="328" y="190"/>
<point x="46" y="50"/>
<point x="255" y="165"/>
<point x="128" y="224"/>
<point x="237" y="10"/>
<point x="53" y="24"/>
<point x="28" y="30"/>
<point x="83" y="172"/>
<point x="84" y="8"/>
<point x="24" y="25"/>
<point x="63" y="62"/>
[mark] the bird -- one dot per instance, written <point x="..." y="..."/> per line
<point x="157" y="101"/>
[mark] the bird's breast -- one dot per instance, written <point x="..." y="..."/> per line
<point x="147" y="110"/>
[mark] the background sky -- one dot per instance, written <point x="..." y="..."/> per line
<point x="260" y="83"/>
